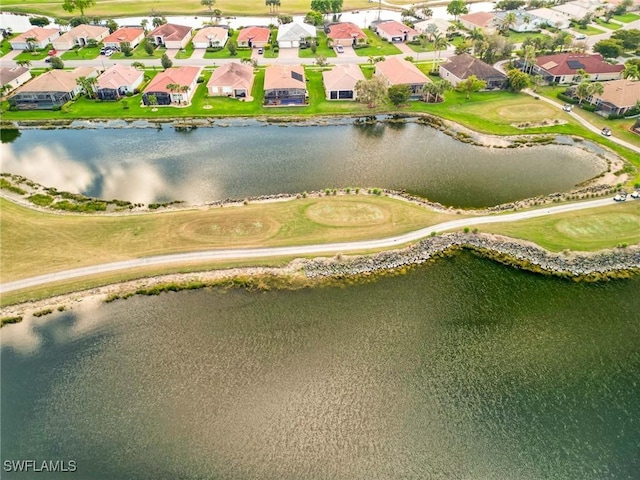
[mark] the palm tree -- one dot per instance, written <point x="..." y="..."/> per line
<point x="595" y="88"/>
<point x="87" y="85"/>
<point x="138" y="65"/>
<point x="440" y="42"/>
<point x="630" y="72"/>
<point x="31" y="43"/>
<point x="508" y="21"/>
<point x="23" y="63"/>
<point x="529" y="58"/>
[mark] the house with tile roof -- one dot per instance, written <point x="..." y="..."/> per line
<point x="340" y="82"/>
<point x="12" y="77"/>
<point x="171" y="35"/>
<point x="254" y="37"/>
<point x="186" y="78"/>
<point x="291" y="35"/>
<point x="563" y="68"/>
<point x="551" y="18"/>
<point x="439" y="25"/>
<point x="117" y="81"/>
<point x="394" y="31"/>
<point x="52" y="89"/>
<point x="211" y="37"/>
<point x="618" y="97"/>
<point x="41" y="38"/>
<point x="398" y="71"/>
<point x="483" y="21"/>
<point x="285" y="85"/>
<point x="345" y="33"/>
<point x="231" y="80"/>
<point x="80" y="36"/>
<point x="460" y="67"/>
<point x="127" y="35"/>
<point x="524" y="21"/>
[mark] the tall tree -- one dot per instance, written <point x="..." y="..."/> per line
<point x="31" y="43"/>
<point x="72" y="5"/>
<point x="399" y="94"/>
<point x="457" y="8"/>
<point x="165" y="61"/>
<point x="23" y="63"/>
<point x="517" y="80"/>
<point x="372" y="91"/>
<point x="587" y="89"/>
<point x="87" y="84"/>
<point x="507" y="22"/>
<point x="470" y="85"/>
<point x="630" y="72"/>
<point x="529" y="56"/>
<point x="209" y="4"/>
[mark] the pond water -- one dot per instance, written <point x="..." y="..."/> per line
<point x="250" y="158"/>
<point x="459" y="369"/>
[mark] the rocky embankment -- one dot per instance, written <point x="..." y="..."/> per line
<point x="609" y="263"/>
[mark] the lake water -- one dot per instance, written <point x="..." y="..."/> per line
<point x="250" y="159"/>
<point x="461" y="369"/>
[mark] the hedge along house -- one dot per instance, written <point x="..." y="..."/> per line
<point x="291" y="35"/>
<point x="460" y="67"/>
<point x="211" y="37"/>
<point x="394" y="31"/>
<point x="345" y="33"/>
<point x="562" y="68"/>
<point x="231" y="80"/>
<point x="397" y="71"/>
<point x="285" y="85"/>
<point x="131" y="36"/>
<point x="254" y="37"/>
<point x="174" y="86"/>
<point x="34" y="38"/>
<point x="171" y="36"/>
<point x="12" y="77"/>
<point x="50" y="90"/>
<point x="118" y="81"/>
<point x="340" y="82"/>
<point x="80" y="36"/>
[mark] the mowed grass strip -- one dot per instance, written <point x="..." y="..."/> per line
<point x="35" y="242"/>
<point x="126" y="8"/>
<point x="585" y="230"/>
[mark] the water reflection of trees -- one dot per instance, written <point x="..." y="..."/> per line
<point x="8" y="135"/>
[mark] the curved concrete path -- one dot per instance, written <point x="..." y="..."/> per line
<point x="325" y="249"/>
<point x="584" y="122"/>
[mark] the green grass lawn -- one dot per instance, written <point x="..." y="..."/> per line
<point x="377" y="46"/>
<point x="37" y="55"/>
<point x="5" y="46"/>
<point x="126" y="8"/>
<point x="139" y="54"/>
<point x="224" y="52"/>
<point x="584" y="230"/>
<point x="588" y="31"/>
<point x="322" y="48"/>
<point x="185" y="52"/>
<point x="85" y="53"/>
<point x="610" y="25"/>
<point x="627" y="17"/>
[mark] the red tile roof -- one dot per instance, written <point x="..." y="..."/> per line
<point x="481" y="19"/>
<point x="395" y="28"/>
<point x="345" y="31"/>
<point x="255" y="34"/>
<point x="570" y="63"/>
<point x="118" y="76"/>
<point x="178" y="75"/>
<point x="171" y="32"/>
<point x="38" y="33"/>
<point x="124" y="34"/>
<point x="284" y="76"/>
<point x="400" y="72"/>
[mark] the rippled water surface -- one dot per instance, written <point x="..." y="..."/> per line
<point x="207" y="164"/>
<point x="459" y="369"/>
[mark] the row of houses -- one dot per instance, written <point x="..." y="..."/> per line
<point x="174" y="36"/>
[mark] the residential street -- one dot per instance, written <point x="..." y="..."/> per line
<point x="304" y="250"/>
